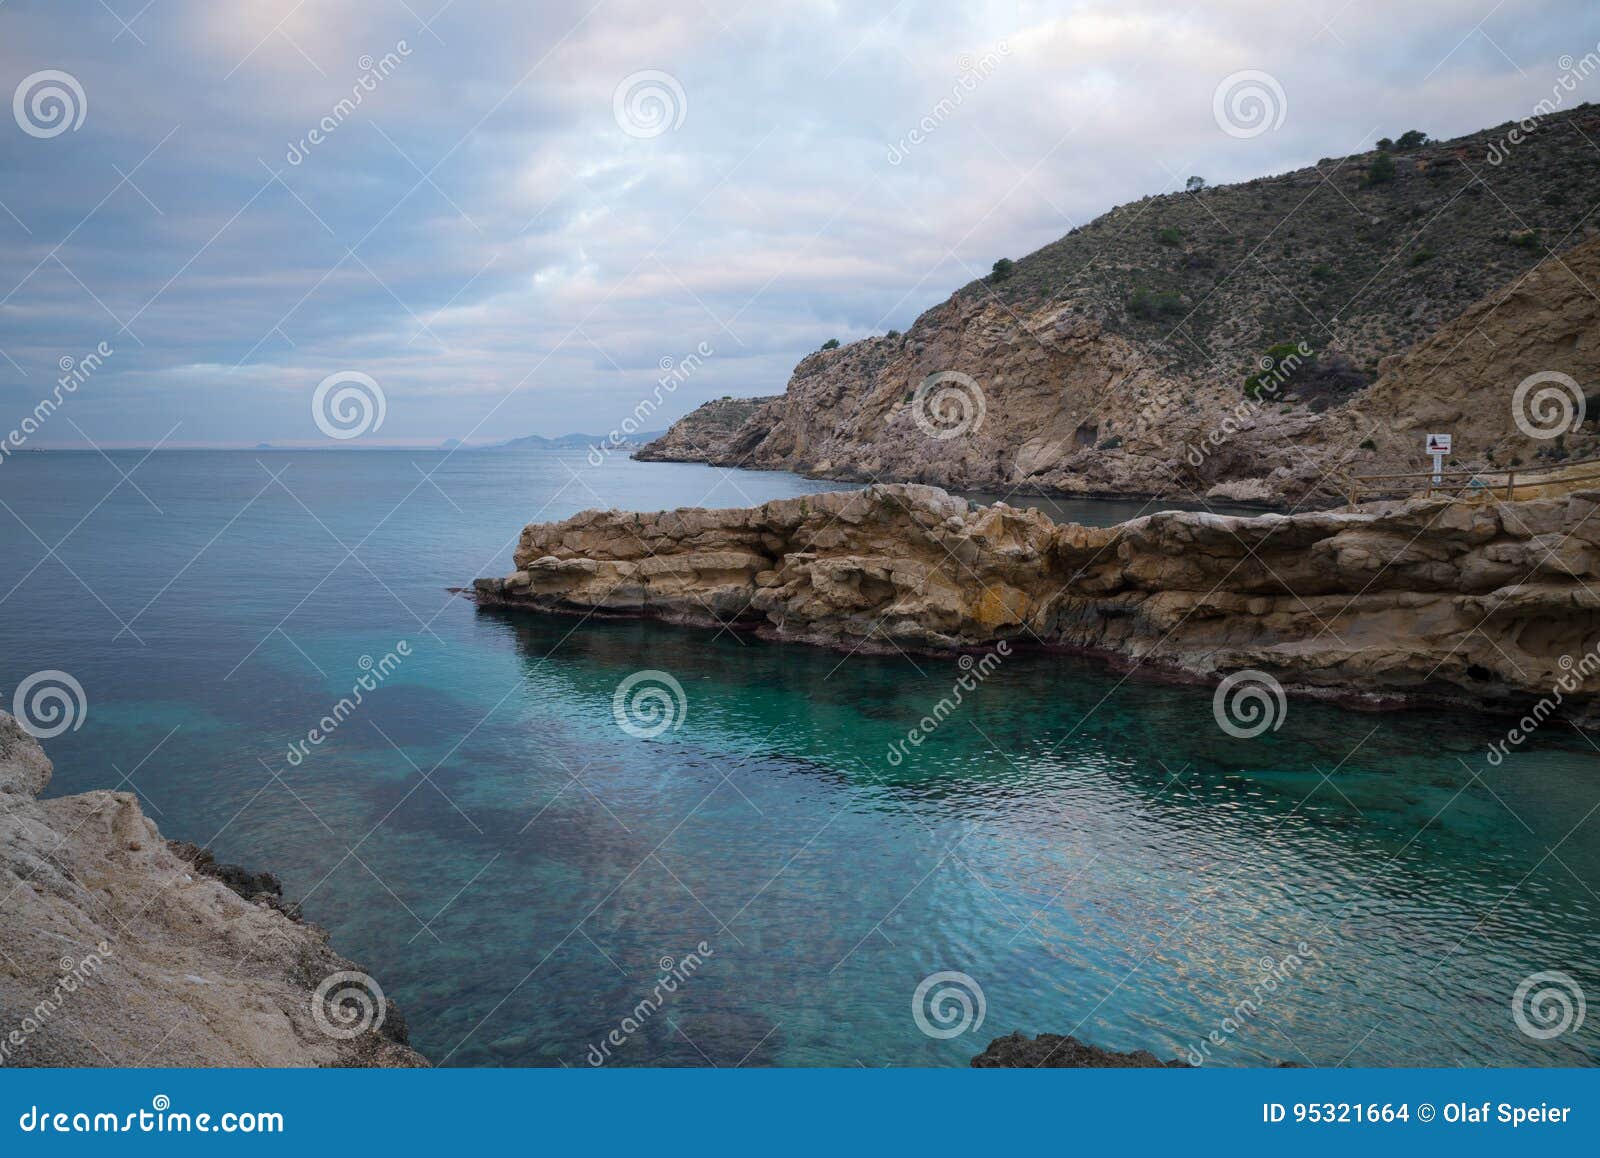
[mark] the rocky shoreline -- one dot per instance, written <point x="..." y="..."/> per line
<point x="121" y="948"/>
<point x="1383" y="605"/>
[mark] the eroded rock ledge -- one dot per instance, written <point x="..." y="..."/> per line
<point x="1487" y="604"/>
<point x="122" y="949"/>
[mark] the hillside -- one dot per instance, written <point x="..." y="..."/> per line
<point x="1115" y="359"/>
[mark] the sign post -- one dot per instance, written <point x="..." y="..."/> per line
<point x="1438" y="446"/>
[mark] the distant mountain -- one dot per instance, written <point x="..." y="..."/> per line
<point x="571" y="441"/>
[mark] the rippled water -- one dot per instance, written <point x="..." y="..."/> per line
<point x="1091" y="850"/>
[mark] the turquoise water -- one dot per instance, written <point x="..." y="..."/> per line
<point x="1093" y="851"/>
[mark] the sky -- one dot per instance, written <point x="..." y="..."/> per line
<point x="227" y="222"/>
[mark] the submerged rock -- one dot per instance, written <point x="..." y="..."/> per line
<point x="1052" y="1051"/>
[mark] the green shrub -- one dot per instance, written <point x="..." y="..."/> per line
<point x="1195" y="184"/>
<point x="1150" y="304"/>
<point x="1385" y="144"/>
<point x="1411" y="139"/>
<point x="1279" y="367"/>
<point x="1322" y="271"/>
<point x="831" y="344"/>
<point x="1422" y="255"/>
<point x="1169" y="235"/>
<point x="1381" y="171"/>
<point x="1002" y="269"/>
<point x="892" y="334"/>
<point x="1110" y="443"/>
<point x="1368" y="444"/>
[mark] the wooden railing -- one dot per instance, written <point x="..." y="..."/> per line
<point x="1463" y="484"/>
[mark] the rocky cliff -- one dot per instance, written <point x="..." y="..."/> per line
<point x="1116" y="360"/>
<point x="1488" y="604"/>
<point x="714" y="432"/>
<point x="120" y="949"/>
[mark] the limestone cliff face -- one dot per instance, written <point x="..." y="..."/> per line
<point x="1465" y="376"/>
<point x="1475" y="603"/>
<point x="117" y="950"/>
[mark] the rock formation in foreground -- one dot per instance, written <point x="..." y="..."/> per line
<point x="1488" y="604"/>
<point x="1114" y="361"/>
<point x="118" y="948"/>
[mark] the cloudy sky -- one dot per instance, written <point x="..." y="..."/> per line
<point x="509" y="216"/>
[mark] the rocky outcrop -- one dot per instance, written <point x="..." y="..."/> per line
<point x="1113" y="361"/>
<point x="1488" y="604"/>
<point x="709" y="431"/>
<point x="117" y="948"/>
<point x="1052" y="1051"/>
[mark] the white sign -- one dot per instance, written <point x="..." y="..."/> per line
<point x="1438" y="444"/>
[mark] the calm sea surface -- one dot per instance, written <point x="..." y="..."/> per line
<point x="1093" y="852"/>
